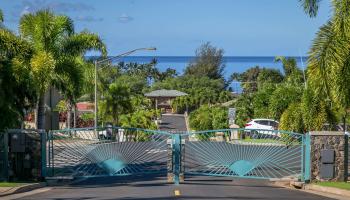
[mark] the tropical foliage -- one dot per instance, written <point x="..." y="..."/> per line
<point x="267" y="93"/>
<point x="17" y="92"/>
<point x="329" y="62"/>
<point x="121" y="90"/>
<point x="58" y="55"/>
<point x="208" y="62"/>
<point x="203" y="81"/>
<point x="209" y="118"/>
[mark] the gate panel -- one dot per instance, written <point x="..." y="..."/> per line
<point x="244" y="153"/>
<point x="106" y="152"/>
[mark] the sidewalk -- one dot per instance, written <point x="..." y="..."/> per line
<point x="4" y="191"/>
<point x="330" y="192"/>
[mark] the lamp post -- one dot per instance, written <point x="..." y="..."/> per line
<point x="97" y="62"/>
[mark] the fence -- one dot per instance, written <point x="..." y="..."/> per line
<point x="22" y="154"/>
<point x="107" y="151"/>
<point x="115" y="151"/>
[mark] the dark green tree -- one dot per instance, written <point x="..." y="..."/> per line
<point x="208" y="62"/>
<point x="17" y="92"/>
<point x="117" y="101"/>
<point x="245" y="110"/>
<point x="282" y="97"/>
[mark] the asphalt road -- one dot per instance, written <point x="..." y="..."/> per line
<point x="154" y="188"/>
<point x="173" y="123"/>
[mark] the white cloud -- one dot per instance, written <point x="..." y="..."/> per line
<point x="88" y="18"/>
<point x="124" y="18"/>
<point x="25" y="7"/>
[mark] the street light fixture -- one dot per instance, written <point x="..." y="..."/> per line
<point x="110" y="59"/>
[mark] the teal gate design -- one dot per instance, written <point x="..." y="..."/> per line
<point x="110" y="151"/>
<point x="259" y="154"/>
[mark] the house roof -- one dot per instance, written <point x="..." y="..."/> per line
<point x="85" y="106"/>
<point x="165" y="93"/>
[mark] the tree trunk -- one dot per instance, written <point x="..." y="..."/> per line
<point x="40" y="119"/>
<point x="74" y="116"/>
<point x="115" y="119"/>
<point x="69" y="114"/>
<point x="344" y="125"/>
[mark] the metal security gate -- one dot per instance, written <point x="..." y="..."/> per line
<point x="259" y="154"/>
<point x="109" y="151"/>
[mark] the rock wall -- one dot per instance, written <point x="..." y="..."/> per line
<point x="336" y="141"/>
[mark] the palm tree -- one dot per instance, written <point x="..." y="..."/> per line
<point x="72" y="81"/>
<point x="293" y="75"/>
<point x="57" y="50"/>
<point x="329" y="56"/>
<point x="118" y="101"/>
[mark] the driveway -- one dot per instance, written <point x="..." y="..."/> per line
<point x="173" y="123"/>
<point x="156" y="188"/>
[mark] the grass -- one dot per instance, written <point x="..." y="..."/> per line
<point x="269" y="140"/>
<point x="340" y="185"/>
<point x="10" y="184"/>
<point x="262" y="141"/>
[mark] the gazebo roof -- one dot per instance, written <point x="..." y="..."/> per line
<point x="165" y="93"/>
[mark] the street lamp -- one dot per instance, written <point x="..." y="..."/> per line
<point x="109" y="59"/>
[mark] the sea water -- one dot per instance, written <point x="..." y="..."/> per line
<point x="232" y="63"/>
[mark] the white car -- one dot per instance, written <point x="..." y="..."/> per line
<point x="267" y="124"/>
<point x="262" y="126"/>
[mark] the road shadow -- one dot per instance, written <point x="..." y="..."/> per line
<point x="148" y="180"/>
<point x="228" y="181"/>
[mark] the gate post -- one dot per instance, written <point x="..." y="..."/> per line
<point x="175" y="161"/>
<point x="176" y="158"/>
<point x="5" y="159"/>
<point x="43" y="152"/>
<point x="306" y="157"/>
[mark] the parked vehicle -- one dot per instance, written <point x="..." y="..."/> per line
<point x="257" y="127"/>
<point x="107" y="133"/>
<point x="267" y="124"/>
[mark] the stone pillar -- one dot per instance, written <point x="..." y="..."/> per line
<point x="328" y="140"/>
<point x="219" y="136"/>
<point x="170" y="167"/>
<point x="170" y="174"/>
<point x="234" y="133"/>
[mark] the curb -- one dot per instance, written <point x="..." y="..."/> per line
<point x="331" y="190"/>
<point x="23" y="188"/>
<point x="62" y="181"/>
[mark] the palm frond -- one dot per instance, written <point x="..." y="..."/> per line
<point x="310" y="6"/>
<point x="1" y="16"/>
<point x="327" y="53"/>
<point x="45" y="30"/>
<point x="341" y="16"/>
<point x="11" y="45"/>
<point x="79" y="43"/>
<point x="70" y="78"/>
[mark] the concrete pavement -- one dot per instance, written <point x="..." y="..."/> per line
<point x="147" y="188"/>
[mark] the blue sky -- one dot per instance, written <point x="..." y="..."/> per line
<point x="178" y="27"/>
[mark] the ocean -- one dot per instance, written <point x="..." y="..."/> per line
<point x="232" y="63"/>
